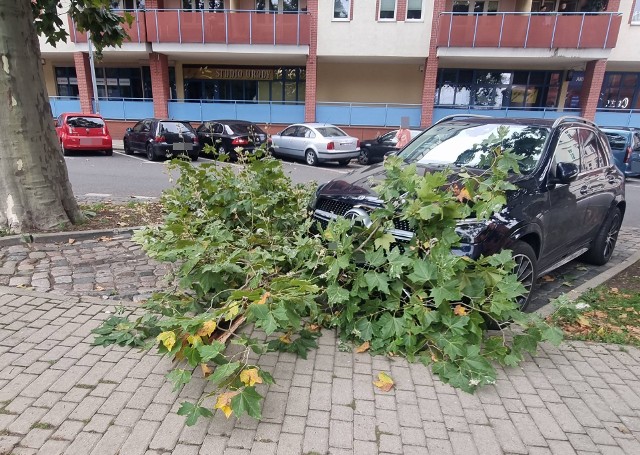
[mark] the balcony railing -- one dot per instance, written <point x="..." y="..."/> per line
<point x="530" y="30"/>
<point x="259" y="112"/>
<point x="60" y="104"/>
<point x="227" y="27"/>
<point x="125" y="108"/>
<point x="137" y="30"/>
<point x="368" y="114"/>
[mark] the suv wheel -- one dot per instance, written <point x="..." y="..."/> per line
<point x="526" y="270"/>
<point x="127" y="148"/>
<point x="363" y="158"/>
<point x="605" y="242"/>
<point x="311" y="158"/>
<point x="151" y="155"/>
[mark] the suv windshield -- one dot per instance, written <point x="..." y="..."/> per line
<point x="175" y="127"/>
<point x="461" y="144"/>
<point x="85" y="122"/>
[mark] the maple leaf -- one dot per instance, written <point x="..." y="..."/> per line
<point x="207" y="328"/>
<point x="463" y="195"/>
<point x="224" y="402"/>
<point x="384" y="382"/>
<point x="363" y="347"/>
<point x="286" y="339"/>
<point x="250" y="377"/>
<point x="459" y="310"/>
<point x="194" y="340"/>
<point x="264" y="298"/>
<point x="168" y="339"/>
<point x="206" y="371"/>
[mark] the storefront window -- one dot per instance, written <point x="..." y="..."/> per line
<point x="66" y="81"/>
<point x="618" y="90"/>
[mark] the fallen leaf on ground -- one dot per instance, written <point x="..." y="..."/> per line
<point x="206" y="371"/>
<point x="384" y="382"/>
<point x="363" y="347"/>
<point x="72" y="241"/>
<point x="250" y="377"/>
<point x="105" y="239"/>
<point x="99" y="288"/>
<point x="582" y="268"/>
<point x="584" y="322"/>
<point x="548" y="278"/>
<point x="614" y="290"/>
<point x="286" y="339"/>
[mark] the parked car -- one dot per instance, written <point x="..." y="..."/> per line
<point x="162" y="138"/>
<point x="316" y="143"/>
<point x="227" y="135"/>
<point x="374" y="150"/>
<point x="570" y="202"/>
<point x="625" y="146"/>
<point x="83" y="132"/>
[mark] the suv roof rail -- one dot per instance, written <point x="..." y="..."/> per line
<point x="572" y="118"/>
<point x="454" y="116"/>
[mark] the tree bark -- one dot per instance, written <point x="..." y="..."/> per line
<point x="35" y="193"/>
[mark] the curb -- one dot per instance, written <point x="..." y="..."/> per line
<point x="597" y="280"/>
<point x="56" y="237"/>
<point x="30" y="292"/>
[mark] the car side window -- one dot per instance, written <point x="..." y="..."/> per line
<point x="306" y="132"/>
<point x="138" y="127"/>
<point x="592" y="153"/>
<point x="389" y="137"/>
<point x="291" y="131"/>
<point x="567" y="148"/>
<point x="218" y="128"/>
<point x="636" y="141"/>
<point x="146" y="126"/>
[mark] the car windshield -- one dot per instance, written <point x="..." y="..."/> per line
<point x="85" y="122"/>
<point x="330" y="131"/>
<point x="617" y="141"/>
<point x="460" y="144"/>
<point x="175" y="127"/>
<point x="245" y="128"/>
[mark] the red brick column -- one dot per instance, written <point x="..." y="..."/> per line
<point x="310" y="95"/>
<point x="159" y="66"/>
<point x="431" y="68"/>
<point x="591" y="87"/>
<point x="401" y="11"/>
<point x="614" y="5"/>
<point x="85" y="87"/>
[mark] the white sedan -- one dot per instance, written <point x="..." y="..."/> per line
<point x="316" y="143"/>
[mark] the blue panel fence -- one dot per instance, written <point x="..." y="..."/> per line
<point x="61" y="104"/>
<point x="259" y="112"/>
<point x="368" y="114"/>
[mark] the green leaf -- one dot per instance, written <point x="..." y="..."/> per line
<point x="336" y="294"/>
<point x="423" y="270"/>
<point x="377" y="280"/>
<point x="208" y="352"/>
<point x="192" y="355"/>
<point x="247" y="401"/>
<point x="193" y="412"/>
<point x="223" y="372"/>
<point x="553" y="335"/>
<point x="365" y="328"/>
<point x="179" y="378"/>
<point x="384" y="241"/>
<point x="391" y="326"/>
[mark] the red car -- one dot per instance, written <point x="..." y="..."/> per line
<point x="83" y="132"/>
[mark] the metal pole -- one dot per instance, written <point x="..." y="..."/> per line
<point x="93" y="72"/>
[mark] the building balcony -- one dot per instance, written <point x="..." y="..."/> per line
<point x="529" y="30"/>
<point x="227" y="27"/>
<point x="137" y="31"/>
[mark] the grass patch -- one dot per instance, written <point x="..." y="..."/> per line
<point x="42" y="426"/>
<point x="85" y="386"/>
<point x="605" y="314"/>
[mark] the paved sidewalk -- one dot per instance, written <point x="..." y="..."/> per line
<point x="58" y="394"/>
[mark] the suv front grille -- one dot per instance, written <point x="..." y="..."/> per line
<point x="333" y="206"/>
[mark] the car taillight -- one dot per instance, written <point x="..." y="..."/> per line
<point x="627" y="157"/>
<point x="195" y="139"/>
<point x="358" y="144"/>
<point x="240" y="141"/>
<point x="331" y="146"/>
<point x="159" y="139"/>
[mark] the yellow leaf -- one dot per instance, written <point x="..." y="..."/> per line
<point x="168" y="339"/>
<point x="584" y="322"/>
<point x="207" y="328"/>
<point x="459" y="310"/>
<point x="250" y="377"/>
<point x="232" y="313"/>
<point x="463" y="195"/>
<point x="99" y="288"/>
<point x="224" y="402"/>
<point x="286" y="339"/>
<point x="363" y="347"/>
<point x="206" y="371"/>
<point x="314" y="328"/>
<point x="600" y="331"/>
<point x="548" y="278"/>
<point x="615" y="290"/>
<point x="384" y="382"/>
<point x="264" y="298"/>
<point x="72" y="241"/>
<point x="194" y="340"/>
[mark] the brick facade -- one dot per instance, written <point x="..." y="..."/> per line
<point x="159" y="66"/>
<point x="401" y="11"/>
<point x="431" y="68"/>
<point x="85" y="87"/>
<point x="310" y="95"/>
<point x="593" y="78"/>
<point x="614" y="5"/>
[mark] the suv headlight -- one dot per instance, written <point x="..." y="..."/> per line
<point x="314" y="199"/>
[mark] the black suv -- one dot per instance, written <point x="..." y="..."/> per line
<point x="162" y="138"/>
<point x="569" y="203"/>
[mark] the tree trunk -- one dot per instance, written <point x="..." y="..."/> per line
<point x="35" y="193"/>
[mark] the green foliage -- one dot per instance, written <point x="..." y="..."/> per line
<point x="243" y="253"/>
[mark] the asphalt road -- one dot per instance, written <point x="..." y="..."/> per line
<point x="122" y="176"/>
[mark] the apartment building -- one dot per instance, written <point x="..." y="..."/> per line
<point x="362" y="64"/>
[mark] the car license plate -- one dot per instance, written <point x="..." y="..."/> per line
<point x="90" y="141"/>
<point x="183" y="146"/>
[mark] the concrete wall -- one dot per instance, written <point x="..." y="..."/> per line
<point x="369" y="83"/>
<point x="364" y="36"/>
<point x="626" y="54"/>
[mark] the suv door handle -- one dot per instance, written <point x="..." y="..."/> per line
<point x="584" y="190"/>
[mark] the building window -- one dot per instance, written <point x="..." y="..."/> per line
<point x="66" y="81"/>
<point x="341" y="9"/>
<point x="205" y="5"/>
<point x="619" y="90"/>
<point x="127" y="4"/>
<point x="261" y="5"/>
<point x="387" y="10"/>
<point x="476" y="7"/>
<point x="635" y="14"/>
<point x="414" y="9"/>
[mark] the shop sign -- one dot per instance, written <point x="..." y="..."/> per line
<point x="244" y="74"/>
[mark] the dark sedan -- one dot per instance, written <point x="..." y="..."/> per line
<point x="162" y="138"/>
<point x="227" y="135"/>
<point x="374" y="150"/>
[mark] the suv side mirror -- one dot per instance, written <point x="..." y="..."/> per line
<point x="566" y="172"/>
